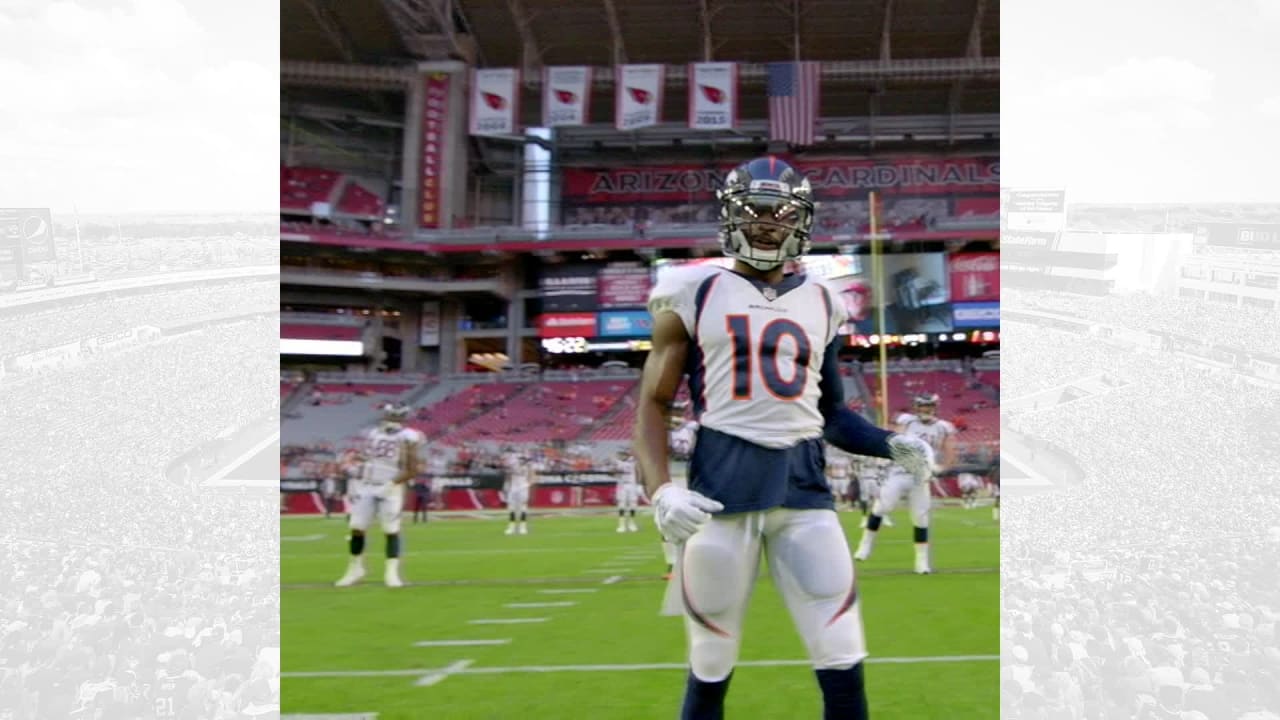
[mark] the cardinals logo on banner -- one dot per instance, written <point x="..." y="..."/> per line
<point x="639" y="96"/>
<point x="566" y="92"/>
<point x="713" y="95"/>
<point x="494" y="101"/>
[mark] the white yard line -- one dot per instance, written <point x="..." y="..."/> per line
<point x="611" y="580"/>
<point x="461" y="643"/>
<point x="435" y="677"/>
<point x="567" y="591"/>
<point x="506" y="621"/>
<point x="303" y="538"/>
<point x="466" y="670"/>
<point x="564" y="603"/>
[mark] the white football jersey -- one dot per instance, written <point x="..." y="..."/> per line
<point x="626" y="471"/>
<point x="871" y="469"/>
<point x="522" y="473"/>
<point x="933" y="433"/>
<point x="386" y="452"/>
<point x="755" y="352"/>
<point x="839" y="466"/>
<point x="682" y="439"/>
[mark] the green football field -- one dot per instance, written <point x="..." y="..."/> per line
<point x="564" y="623"/>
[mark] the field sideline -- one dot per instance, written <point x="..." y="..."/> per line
<point x="564" y="622"/>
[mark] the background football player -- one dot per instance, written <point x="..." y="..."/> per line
<point x="760" y="349"/>
<point x="839" y="474"/>
<point x="923" y="422"/>
<point x="627" y="491"/>
<point x="521" y="471"/>
<point x="388" y="459"/>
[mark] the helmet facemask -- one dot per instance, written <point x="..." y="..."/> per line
<point x="765" y="223"/>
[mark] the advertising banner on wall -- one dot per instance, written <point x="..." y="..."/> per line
<point x="638" y="96"/>
<point x="29" y="231"/>
<point x="975" y="276"/>
<point x="976" y="315"/>
<point x="713" y="95"/>
<point x="624" y="285"/>
<point x="1034" y="210"/>
<point x="435" y="114"/>
<point x="495" y="100"/>
<point x="566" y="95"/>
<point x="917" y="193"/>
<point x="624" y="323"/>
<point x="429" y="324"/>
<point x="568" y="287"/>
<point x="554" y="325"/>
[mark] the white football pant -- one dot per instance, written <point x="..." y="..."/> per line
<point x="383" y="501"/>
<point x="518" y="500"/>
<point x="810" y="564"/>
<point x="628" y="496"/>
<point x="898" y="486"/>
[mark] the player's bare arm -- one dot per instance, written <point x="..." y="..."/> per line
<point x="661" y="379"/>
<point x="412" y="461"/>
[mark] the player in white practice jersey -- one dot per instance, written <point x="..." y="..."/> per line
<point x="839" y="474"/>
<point x="925" y="424"/>
<point x="682" y="437"/>
<point x="871" y="473"/>
<point x="388" y="459"/>
<point x="969" y="485"/>
<point x="628" y="491"/>
<point x="521" y="477"/>
<point x="760" y="349"/>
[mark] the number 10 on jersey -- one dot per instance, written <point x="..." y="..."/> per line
<point x="764" y="352"/>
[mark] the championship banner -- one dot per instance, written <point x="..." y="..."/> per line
<point x="435" y="110"/>
<point x="566" y="96"/>
<point x="638" y="98"/>
<point x="495" y="101"/>
<point x="624" y="285"/>
<point x="713" y="95"/>
<point x="1034" y="210"/>
<point x="975" y="276"/>
<point x="429" y="324"/>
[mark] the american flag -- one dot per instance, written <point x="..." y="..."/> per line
<point x="793" y="101"/>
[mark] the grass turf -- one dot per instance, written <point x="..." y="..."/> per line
<point x="466" y="569"/>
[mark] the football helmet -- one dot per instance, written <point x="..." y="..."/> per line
<point x="925" y="407"/>
<point x="766" y="213"/>
<point x="394" y="414"/>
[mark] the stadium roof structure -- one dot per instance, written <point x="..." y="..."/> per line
<point x="922" y="66"/>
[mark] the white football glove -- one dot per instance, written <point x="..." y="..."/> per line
<point x="679" y="512"/>
<point x="914" y="455"/>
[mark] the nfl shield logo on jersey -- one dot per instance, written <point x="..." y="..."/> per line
<point x="770" y="294"/>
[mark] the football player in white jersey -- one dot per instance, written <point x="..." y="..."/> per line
<point x="969" y="485"/>
<point x="839" y="474"/>
<point x="871" y="472"/>
<point x="760" y="348"/>
<point x="680" y="441"/>
<point x="628" y="491"/>
<point x="923" y="422"/>
<point x="388" y="460"/>
<point x="521" y="474"/>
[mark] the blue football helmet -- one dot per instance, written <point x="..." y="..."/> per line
<point x="766" y="213"/>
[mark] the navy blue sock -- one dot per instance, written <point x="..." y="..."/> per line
<point x="393" y="545"/>
<point x="922" y="535"/>
<point x="357" y="543"/>
<point x="844" y="696"/>
<point x="704" y="700"/>
<point x="873" y="522"/>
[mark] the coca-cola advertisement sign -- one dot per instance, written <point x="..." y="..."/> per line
<point x="975" y="277"/>
<point x="624" y="285"/>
